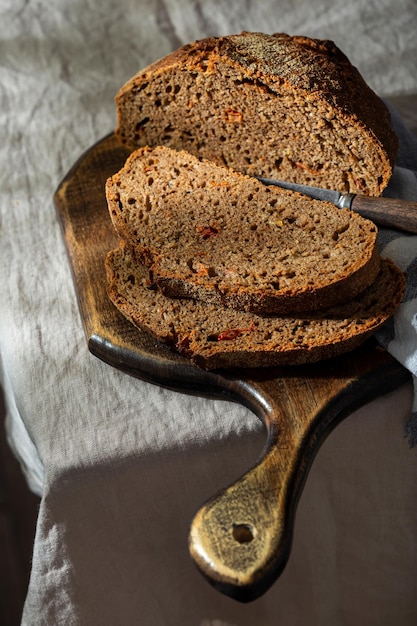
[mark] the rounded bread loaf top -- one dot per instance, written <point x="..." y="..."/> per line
<point x="270" y="105"/>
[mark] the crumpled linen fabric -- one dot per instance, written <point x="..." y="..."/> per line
<point x="121" y="465"/>
<point x="399" y="335"/>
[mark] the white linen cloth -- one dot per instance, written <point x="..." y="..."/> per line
<point x="399" y="335"/>
<point x="121" y="465"/>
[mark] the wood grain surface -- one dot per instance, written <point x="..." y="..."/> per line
<point x="241" y="539"/>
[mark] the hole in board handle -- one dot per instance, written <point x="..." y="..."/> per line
<point x="243" y="533"/>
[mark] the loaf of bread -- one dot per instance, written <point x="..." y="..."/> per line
<point x="215" y="337"/>
<point x="276" y="106"/>
<point x="209" y="233"/>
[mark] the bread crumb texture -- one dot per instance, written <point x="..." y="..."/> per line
<point x="210" y="233"/>
<point x="277" y="106"/>
<point x="224" y="270"/>
<point x="216" y="337"/>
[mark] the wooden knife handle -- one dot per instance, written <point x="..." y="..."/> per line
<point x="388" y="212"/>
<point x="240" y="539"/>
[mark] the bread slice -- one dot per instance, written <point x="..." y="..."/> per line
<point x="215" y="337"/>
<point x="291" y="108"/>
<point x="216" y="235"/>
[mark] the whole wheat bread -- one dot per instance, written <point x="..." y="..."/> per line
<point x="269" y="105"/>
<point x="216" y="337"/>
<point x="213" y="234"/>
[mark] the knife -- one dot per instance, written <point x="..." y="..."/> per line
<point x="387" y="212"/>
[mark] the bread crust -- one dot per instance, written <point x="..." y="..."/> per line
<point x="209" y="233"/>
<point x="215" y="338"/>
<point x="315" y="73"/>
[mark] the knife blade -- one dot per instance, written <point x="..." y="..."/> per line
<point x="386" y="212"/>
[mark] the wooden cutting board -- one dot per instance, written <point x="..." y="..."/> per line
<point x="241" y="539"/>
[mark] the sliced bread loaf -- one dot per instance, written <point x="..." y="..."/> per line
<point x="213" y="234"/>
<point x="268" y="105"/>
<point x="216" y="337"/>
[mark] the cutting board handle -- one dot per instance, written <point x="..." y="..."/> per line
<point x="241" y="538"/>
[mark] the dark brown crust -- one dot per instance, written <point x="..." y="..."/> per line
<point x="315" y="66"/>
<point x="373" y="308"/>
<point x="333" y="283"/>
<point x="313" y="300"/>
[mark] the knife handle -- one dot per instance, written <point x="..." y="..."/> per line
<point x="387" y="212"/>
